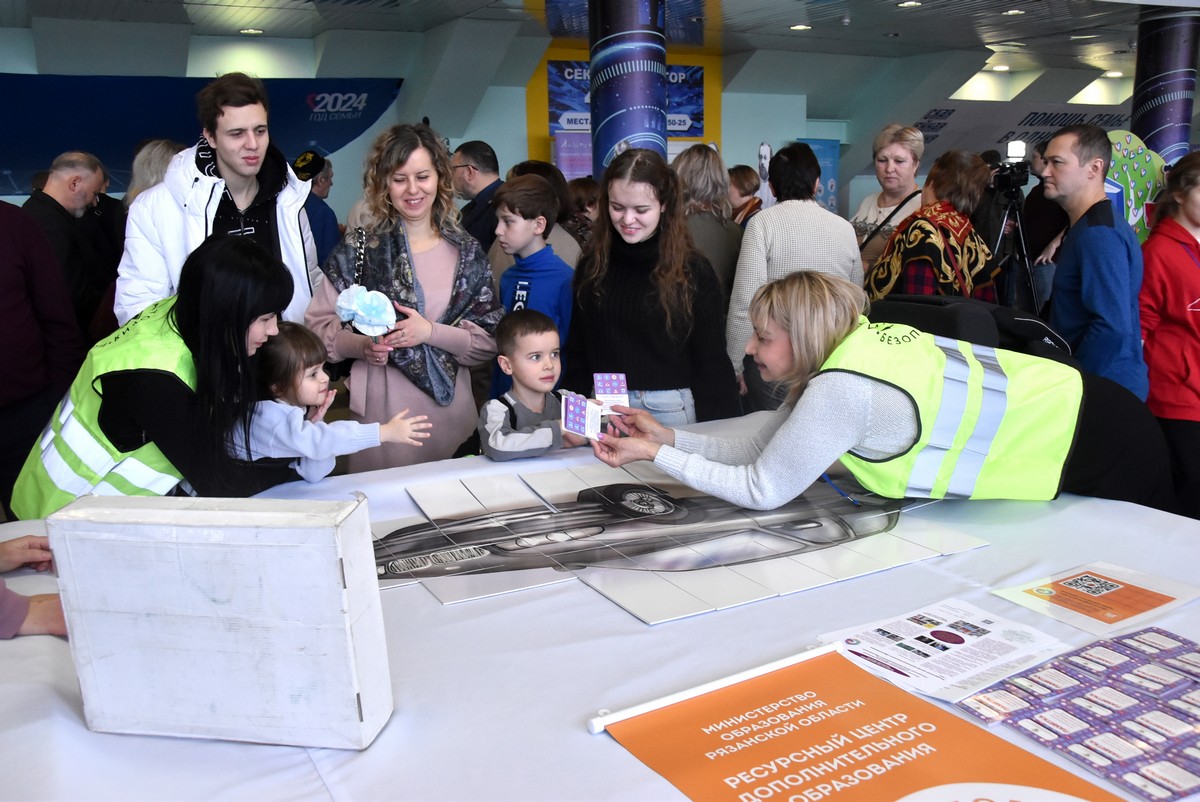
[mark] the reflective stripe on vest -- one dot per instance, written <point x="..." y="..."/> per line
<point x="935" y="472"/>
<point x="991" y="423"/>
<point x="73" y="457"/>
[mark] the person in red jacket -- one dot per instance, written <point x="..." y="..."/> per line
<point x="1170" y="314"/>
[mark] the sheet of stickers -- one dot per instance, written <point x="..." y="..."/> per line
<point x="1127" y="708"/>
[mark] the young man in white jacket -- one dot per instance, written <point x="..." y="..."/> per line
<point x="233" y="181"/>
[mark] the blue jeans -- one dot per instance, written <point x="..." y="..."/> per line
<point x="669" y="407"/>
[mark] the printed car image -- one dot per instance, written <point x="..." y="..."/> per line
<point x="631" y="527"/>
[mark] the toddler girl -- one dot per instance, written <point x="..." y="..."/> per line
<point x="291" y="423"/>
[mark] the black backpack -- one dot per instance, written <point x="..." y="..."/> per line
<point x="976" y="322"/>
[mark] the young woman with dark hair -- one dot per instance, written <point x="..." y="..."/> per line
<point x="158" y="402"/>
<point x="647" y="303"/>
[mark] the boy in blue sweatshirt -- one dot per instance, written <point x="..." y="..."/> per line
<point x="526" y="208"/>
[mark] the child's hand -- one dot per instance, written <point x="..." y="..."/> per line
<point x="572" y="440"/>
<point x="402" y="429"/>
<point x="317" y="414"/>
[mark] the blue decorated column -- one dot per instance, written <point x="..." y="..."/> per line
<point x="628" y="78"/>
<point x="1165" y="80"/>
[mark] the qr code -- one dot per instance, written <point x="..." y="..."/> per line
<point x="1091" y="585"/>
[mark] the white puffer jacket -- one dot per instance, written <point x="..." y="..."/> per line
<point x="168" y="221"/>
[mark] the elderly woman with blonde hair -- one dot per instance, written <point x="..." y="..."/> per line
<point x="936" y="250"/>
<point x="897" y="152"/>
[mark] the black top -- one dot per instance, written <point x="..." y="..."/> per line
<point x="258" y="220"/>
<point x="87" y="272"/>
<point x="148" y="406"/>
<point x="479" y="216"/>
<point x="1044" y="220"/>
<point x="625" y="331"/>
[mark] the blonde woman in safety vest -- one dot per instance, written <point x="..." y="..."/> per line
<point x="156" y="404"/>
<point x="909" y="415"/>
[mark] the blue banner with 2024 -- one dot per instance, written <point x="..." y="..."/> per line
<point x="570" y="102"/>
<point x="110" y="115"/>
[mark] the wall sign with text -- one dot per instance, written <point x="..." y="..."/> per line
<point x="570" y="103"/>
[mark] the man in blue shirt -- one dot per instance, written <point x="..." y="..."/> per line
<point x="1099" y="274"/>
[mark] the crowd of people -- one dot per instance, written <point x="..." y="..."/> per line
<point x="182" y="341"/>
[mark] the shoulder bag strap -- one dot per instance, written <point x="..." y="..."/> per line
<point x="887" y="219"/>
<point x="360" y="253"/>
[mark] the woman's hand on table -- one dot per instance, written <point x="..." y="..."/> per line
<point x="45" y="616"/>
<point x="31" y="550"/>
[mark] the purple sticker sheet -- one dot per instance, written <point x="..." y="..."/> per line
<point x="611" y="388"/>
<point x="1126" y="708"/>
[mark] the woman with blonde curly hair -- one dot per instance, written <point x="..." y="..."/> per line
<point x="707" y="210"/>
<point x="437" y="277"/>
<point x="908" y="415"/>
<point x="647" y="303"/>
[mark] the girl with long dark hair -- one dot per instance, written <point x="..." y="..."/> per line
<point x="647" y="303"/>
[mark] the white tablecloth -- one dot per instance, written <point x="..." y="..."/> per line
<point x="493" y="695"/>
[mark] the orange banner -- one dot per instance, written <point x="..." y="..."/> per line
<point x="825" y="729"/>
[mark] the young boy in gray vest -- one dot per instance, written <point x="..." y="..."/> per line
<point x="526" y="420"/>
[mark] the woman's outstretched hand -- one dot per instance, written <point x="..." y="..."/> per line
<point x="615" y="451"/>
<point x="640" y="424"/>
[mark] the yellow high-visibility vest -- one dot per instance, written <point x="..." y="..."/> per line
<point x="73" y="457"/>
<point x="993" y="423"/>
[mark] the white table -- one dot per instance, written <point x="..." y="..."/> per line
<point x="493" y="695"/>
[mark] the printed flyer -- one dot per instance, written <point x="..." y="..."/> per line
<point x="821" y="728"/>
<point x="946" y="650"/>
<point x="1101" y="598"/>
<point x="1126" y="708"/>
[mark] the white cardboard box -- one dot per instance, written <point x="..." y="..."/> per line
<point x="243" y="619"/>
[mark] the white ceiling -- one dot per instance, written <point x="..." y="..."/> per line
<point x="1050" y="33"/>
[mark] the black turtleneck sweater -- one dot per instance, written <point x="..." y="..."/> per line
<point x="625" y="331"/>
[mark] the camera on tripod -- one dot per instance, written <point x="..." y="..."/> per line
<point x="1011" y="176"/>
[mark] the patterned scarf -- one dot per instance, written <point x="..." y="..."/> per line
<point x="943" y="237"/>
<point x="387" y="267"/>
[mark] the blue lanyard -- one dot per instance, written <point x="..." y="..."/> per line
<point x="842" y="493"/>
